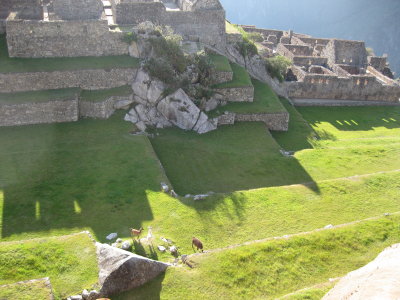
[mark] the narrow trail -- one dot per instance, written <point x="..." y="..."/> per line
<point x="288" y="236"/>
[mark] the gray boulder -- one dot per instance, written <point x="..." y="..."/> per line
<point x="380" y="279"/>
<point x="141" y="84"/>
<point x="123" y="104"/>
<point x="122" y="271"/>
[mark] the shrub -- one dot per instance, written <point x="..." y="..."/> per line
<point x="205" y="68"/>
<point x="161" y="69"/>
<point x="370" y="51"/>
<point x="277" y="66"/>
<point x="247" y="48"/>
<point x="129" y="37"/>
<point x="170" y="50"/>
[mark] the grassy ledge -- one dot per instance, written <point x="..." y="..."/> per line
<point x="26" y="291"/>
<point x="275" y="268"/>
<point x="19" y="65"/>
<point x="220" y="62"/>
<point x="39" y="96"/>
<point x="240" y="78"/>
<point x="69" y="261"/>
<point x="101" y="95"/>
<point x="265" y="101"/>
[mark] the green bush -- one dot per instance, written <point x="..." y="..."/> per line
<point x="129" y="37"/>
<point x="255" y="37"/>
<point x="276" y="66"/>
<point x="205" y="68"/>
<point x="247" y="48"/>
<point x="170" y="50"/>
<point x="161" y="69"/>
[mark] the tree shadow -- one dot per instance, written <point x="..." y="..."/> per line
<point x="87" y="175"/>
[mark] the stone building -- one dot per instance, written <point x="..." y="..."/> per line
<point x="67" y="28"/>
<point x="330" y="69"/>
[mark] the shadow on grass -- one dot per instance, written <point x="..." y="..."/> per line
<point x="239" y="157"/>
<point x="353" y="118"/>
<point x="89" y="174"/>
<point x="144" y="249"/>
<point x="149" y="291"/>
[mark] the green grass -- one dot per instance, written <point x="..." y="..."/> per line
<point x="26" y="291"/>
<point x="12" y="65"/>
<point x="38" y="96"/>
<point x="240" y="78"/>
<point x="220" y="62"/>
<point x="69" y="261"/>
<point x="300" y="134"/>
<point x="232" y="158"/>
<point x="265" y="101"/>
<point x="314" y="293"/>
<point x="231" y="28"/>
<point x="101" y="95"/>
<point x="275" y="268"/>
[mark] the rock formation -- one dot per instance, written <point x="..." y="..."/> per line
<point x="380" y="279"/>
<point x="120" y="270"/>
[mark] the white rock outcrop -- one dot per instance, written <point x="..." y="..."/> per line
<point x="380" y="279"/>
<point x="153" y="109"/>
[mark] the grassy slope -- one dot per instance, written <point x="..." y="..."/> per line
<point x="101" y="95"/>
<point x="272" y="269"/>
<point x="25" y="291"/>
<point x="265" y="101"/>
<point x="38" y="96"/>
<point x="220" y="62"/>
<point x="11" y="65"/>
<point x="69" y="261"/>
<point x="240" y="78"/>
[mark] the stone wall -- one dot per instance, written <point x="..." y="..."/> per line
<point x="345" y="52"/>
<point x="23" y="9"/>
<point x="69" y="10"/>
<point x="42" y="112"/>
<point x="378" y="63"/>
<point x="2" y="26"/>
<point x="274" y="121"/>
<point x="85" y="79"/>
<point x="357" y="87"/>
<point x="63" y="39"/>
<point x="100" y="110"/>
<point x="220" y="77"/>
<point x="237" y="94"/>
<point x="310" y="60"/>
<point x="207" y="25"/>
<point x="97" y="110"/>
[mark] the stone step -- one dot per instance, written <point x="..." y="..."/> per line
<point x="108" y="12"/>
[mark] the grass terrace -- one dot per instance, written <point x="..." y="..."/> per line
<point x="26" y="291"/>
<point x="69" y="261"/>
<point x="240" y="78"/>
<point x="39" y="96"/>
<point x="231" y="28"/>
<point x="18" y="65"/>
<point x="275" y="268"/>
<point x="265" y="101"/>
<point x="220" y="62"/>
<point x="101" y="95"/>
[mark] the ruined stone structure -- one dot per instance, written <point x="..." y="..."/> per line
<point x="331" y="68"/>
<point x="68" y="28"/>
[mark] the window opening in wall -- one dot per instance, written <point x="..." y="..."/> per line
<point x="358" y="81"/>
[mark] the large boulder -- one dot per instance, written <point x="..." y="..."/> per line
<point x="380" y="279"/>
<point x="122" y="271"/>
<point x="141" y="84"/>
<point x="180" y="110"/>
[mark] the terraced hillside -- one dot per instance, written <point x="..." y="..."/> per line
<point x="94" y="175"/>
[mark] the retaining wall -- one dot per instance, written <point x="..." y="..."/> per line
<point x="237" y="94"/>
<point x="274" y="121"/>
<point x="221" y="77"/>
<point x="99" y="110"/>
<point x="27" y="38"/>
<point x="41" y="112"/>
<point x="85" y="79"/>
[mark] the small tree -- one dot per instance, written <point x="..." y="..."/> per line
<point x="277" y="66"/>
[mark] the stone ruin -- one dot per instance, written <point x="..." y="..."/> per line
<point x="67" y="28"/>
<point x="331" y="69"/>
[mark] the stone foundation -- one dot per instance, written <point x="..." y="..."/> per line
<point x="274" y="121"/>
<point x="221" y="77"/>
<point x="85" y="79"/>
<point x="99" y="110"/>
<point x="56" y="111"/>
